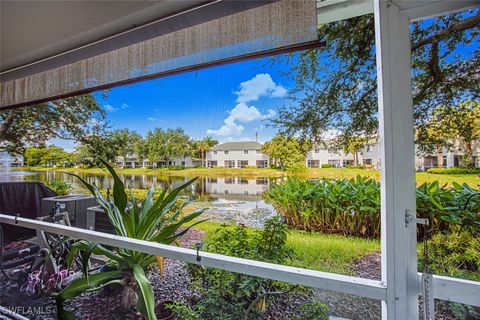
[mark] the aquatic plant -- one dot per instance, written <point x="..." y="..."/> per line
<point x="352" y="207"/>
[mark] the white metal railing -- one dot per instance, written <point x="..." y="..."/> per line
<point x="444" y="288"/>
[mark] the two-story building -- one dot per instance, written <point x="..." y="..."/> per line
<point x="237" y="155"/>
<point x="370" y="155"/>
<point x="321" y="155"/>
<point x="133" y="162"/>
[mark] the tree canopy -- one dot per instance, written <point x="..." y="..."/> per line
<point x="336" y="85"/>
<point x="287" y="152"/>
<point x="73" y="118"/>
<point x="126" y="142"/>
<point x="166" y="144"/>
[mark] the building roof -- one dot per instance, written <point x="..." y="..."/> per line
<point x="241" y="145"/>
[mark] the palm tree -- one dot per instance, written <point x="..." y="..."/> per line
<point x="203" y="146"/>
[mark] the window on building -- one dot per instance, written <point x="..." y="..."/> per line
<point x="245" y="151"/>
<point x="183" y="163"/>
<point x="242" y="181"/>
<point x="430" y="162"/>
<point x="335" y="163"/>
<point x="212" y="163"/>
<point x="456" y="161"/>
<point x="367" y="162"/>
<point x="226" y="151"/>
<point x="215" y="152"/>
<point x="347" y="162"/>
<point x="258" y="151"/>
<point x="212" y="180"/>
<point x="262" y="181"/>
<point x="317" y="150"/>
<point x="262" y="163"/>
<point x="226" y="191"/>
<point x="313" y="163"/>
<point x="229" y="163"/>
<point x="229" y="180"/>
<point x="245" y="192"/>
<point x="242" y="163"/>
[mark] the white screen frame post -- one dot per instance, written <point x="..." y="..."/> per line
<point x="398" y="239"/>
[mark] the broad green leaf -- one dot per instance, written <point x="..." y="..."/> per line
<point x="146" y="302"/>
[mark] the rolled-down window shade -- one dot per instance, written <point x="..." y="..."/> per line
<point x="281" y="24"/>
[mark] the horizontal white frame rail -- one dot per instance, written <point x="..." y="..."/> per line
<point x="340" y="283"/>
<point x="445" y="288"/>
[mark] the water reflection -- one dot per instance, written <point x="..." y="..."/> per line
<point x="225" y="199"/>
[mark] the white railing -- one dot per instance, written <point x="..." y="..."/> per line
<point x="444" y="288"/>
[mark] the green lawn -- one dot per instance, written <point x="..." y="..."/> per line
<point x="328" y="253"/>
<point x="332" y="173"/>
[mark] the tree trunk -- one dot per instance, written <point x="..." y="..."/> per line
<point x="439" y="150"/>
<point x="355" y="158"/>
<point x="469" y="153"/>
<point x="6" y="124"/>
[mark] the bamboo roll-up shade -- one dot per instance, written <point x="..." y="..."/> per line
<point x="279" y="24"/>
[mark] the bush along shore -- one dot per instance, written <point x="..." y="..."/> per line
<point x="352" y="207"/>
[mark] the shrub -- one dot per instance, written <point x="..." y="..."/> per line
<point x="352" y="207"/>
<point x="327" y="165"/>
<point x="227" y="295"/>
<point x="251" y="167"/>
<point x="297" y="167"/>
<point x="455" y="254"/>
<point x="358" y="166"/>
<point x="176" y="167"/>
<point x="454" y="170"/>
<point x="61" y="188"/>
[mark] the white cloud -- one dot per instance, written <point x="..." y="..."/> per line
<point x="244" y="113"/>
<point x="152" y="119"/>
<point x="259" y="86"/>
<point x="270" y="114"/>
<point x="124" y="106"/>
<point x="228" y="129"/>
<point x="110" y="108"/>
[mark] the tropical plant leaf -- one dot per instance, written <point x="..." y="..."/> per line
<point x="146" y="300"/>
<point x="119" y="195"/>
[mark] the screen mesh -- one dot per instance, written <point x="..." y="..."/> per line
<point x="275" y="25"/>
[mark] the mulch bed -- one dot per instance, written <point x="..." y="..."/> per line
<point x="174" y="285"/>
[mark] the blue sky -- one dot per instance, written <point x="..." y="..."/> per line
<point x="228" y="102"/>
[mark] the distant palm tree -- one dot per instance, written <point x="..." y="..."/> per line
<point x="203" y="146"/>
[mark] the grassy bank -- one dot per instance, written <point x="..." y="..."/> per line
<point x="312" y="250"/>
<point x="331" y="173"/>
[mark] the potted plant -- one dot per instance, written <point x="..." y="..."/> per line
<point x="156" y="220"/>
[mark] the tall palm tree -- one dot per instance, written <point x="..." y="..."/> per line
<point x="203" y="146"/>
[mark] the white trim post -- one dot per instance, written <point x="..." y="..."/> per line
<point x="397" y="149"/>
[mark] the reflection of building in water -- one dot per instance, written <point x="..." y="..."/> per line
<point x="237" y="186"/>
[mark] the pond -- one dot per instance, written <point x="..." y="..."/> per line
<point x="226" y="199"/>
